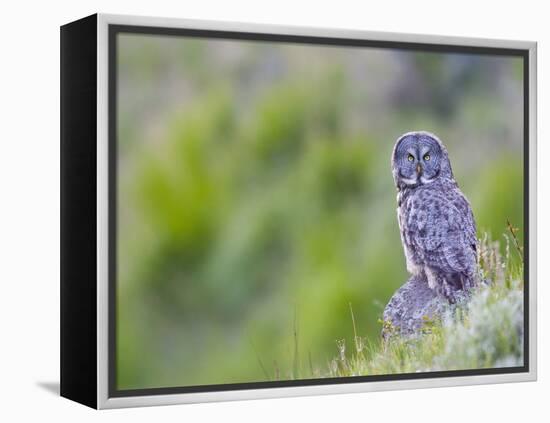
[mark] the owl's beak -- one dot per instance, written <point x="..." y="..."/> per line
<point x="418" y="169"/>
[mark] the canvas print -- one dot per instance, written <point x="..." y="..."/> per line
<point x="292" y="211"/>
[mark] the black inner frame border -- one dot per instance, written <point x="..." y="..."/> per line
<point x="115" y="29"/>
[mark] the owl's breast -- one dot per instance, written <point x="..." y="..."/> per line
<point x="413" y="256"/>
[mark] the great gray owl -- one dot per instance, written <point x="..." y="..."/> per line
<point x="436" y="222"/>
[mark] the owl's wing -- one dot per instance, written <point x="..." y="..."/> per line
<point x="441" y="229"/>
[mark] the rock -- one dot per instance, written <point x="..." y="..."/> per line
<point x="411" y="307"/>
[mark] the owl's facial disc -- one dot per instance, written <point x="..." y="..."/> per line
<point x="407" y="164"/>
<point x="417" y="159"/>
<point x="430" y="153"/>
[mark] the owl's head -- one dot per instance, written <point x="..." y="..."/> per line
<point x="419" y="158"/>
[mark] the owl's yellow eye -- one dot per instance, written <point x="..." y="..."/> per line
<point x="410" y="158"/>
<point x="427" y="157"/>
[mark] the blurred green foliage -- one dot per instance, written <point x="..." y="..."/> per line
<point x="252" y="214"/>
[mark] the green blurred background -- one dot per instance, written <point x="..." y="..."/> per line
<point x="256" y="201"/>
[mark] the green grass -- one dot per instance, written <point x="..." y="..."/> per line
<point x="487" y="332"/>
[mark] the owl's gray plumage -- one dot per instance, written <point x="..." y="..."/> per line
<point x="439" y="236"/>
<point x="435" y="219"/>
